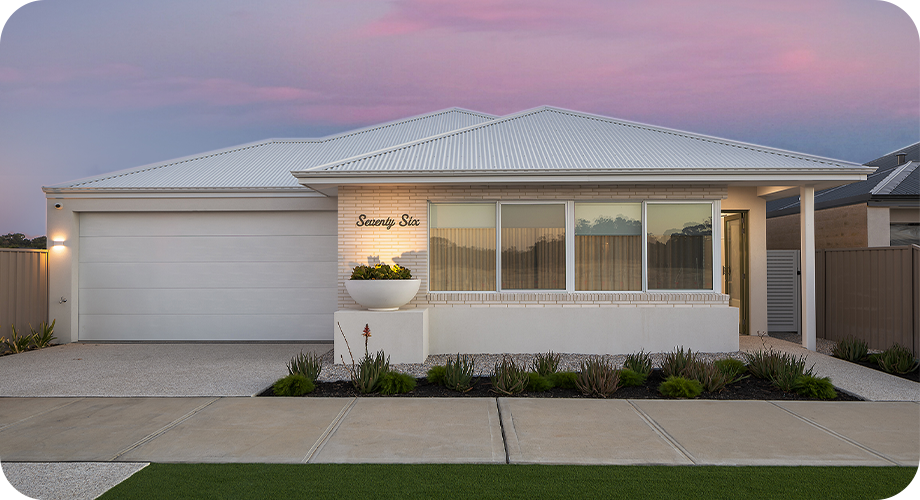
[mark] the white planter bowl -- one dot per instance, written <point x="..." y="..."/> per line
<point x="382" y="295"/>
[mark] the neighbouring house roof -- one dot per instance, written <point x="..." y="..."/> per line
<point x="890" y="185"/>
<point x="268" y="163"/>
<point x="548" y="141"/>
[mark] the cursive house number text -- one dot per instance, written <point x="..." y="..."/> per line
<point x="407" y="220"/>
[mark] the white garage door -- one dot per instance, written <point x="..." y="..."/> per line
<point x="207" y="276"/>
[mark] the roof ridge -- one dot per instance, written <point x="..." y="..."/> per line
<point x="590" y="116"/>
<point x="895" y="178"/>
<point x="896" y="151"/>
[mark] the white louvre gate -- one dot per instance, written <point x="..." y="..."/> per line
<point x="783" y="304"/>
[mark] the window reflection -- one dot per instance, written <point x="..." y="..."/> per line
<point x="679" y="246"/>
<point x="462" y="247"/>
<point x="608" y="246"/>
<point x="533" y="246"/>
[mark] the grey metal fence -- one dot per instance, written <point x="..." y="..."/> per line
<point x="23" y="289"/>
<point x="869" y="293"/>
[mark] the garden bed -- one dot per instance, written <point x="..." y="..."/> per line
<point x="750" y="388"/>
<point x="913" y="376"/>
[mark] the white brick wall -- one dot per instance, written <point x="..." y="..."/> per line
<point x="407" y="246"/>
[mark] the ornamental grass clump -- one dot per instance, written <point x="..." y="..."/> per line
<point x="763" y="363"/>
<point x="545" y="364"/>
<point x="851" y="349"/>
<point x="458" y="373"/>
<point x="680" y="387"/>
<point x="436" y="374"/>
<point x="293" y="385"/>
<point x="814" y="387"/>
<point x="710" y="377"/>
<point x="788" y="371"/>
<point x="44" y="335"/>
<point x="308" y="365"/>
<point x="732" y="368"/>
<point x="598" y="378"/>
<point x="508" y="377"/>
<point x="640" y="362"/>
<point x="396" y="383"/>
<point x="897" y="359"/>
<point x="677" y="362"/>
<point x="17" y="343"/>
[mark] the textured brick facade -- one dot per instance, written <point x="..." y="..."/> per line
<point x="407" y="244"/>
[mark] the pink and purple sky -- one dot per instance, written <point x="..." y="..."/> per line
<point x="92" y="86"/>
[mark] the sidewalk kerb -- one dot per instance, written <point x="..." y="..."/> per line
<point x="837" y="435"/>
<point x="509" y="434"/>
<point x="663" y="433"/>
<point x="11" y="424"/>
<point x="330" y="430"/>
<point x="158" y="433"/>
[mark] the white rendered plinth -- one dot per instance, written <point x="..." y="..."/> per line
<point x="402" y="335"/>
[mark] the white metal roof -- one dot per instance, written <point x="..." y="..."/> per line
<point x="554" y="140"/>
<point x="268" y="164"/>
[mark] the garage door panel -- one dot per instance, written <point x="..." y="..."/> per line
<point x="208" y="249"/>
<point x="207" y="224"/>
<point x="232" y="302"/>
<point x="207" y="275"/>
<point x="300" y="327"/>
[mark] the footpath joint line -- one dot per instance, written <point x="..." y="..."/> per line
<point x="164" y="429"/>
<point x="836" y="434"/>
<point x="663" y="433"/>
<point x="330" y="430"/>
<point x="49" y="410"/>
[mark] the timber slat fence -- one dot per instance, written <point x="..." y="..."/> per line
<point x="23" y="289"/>
<point x="870" y="293"/>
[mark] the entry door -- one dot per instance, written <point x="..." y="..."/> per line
<point x="735" y="269"/>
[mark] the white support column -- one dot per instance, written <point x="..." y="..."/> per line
<point x="809" y="304"/>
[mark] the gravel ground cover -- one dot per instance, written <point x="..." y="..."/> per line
<point x="67" y="480"/>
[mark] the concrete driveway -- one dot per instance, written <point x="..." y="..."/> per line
<point x="123" y="370"/>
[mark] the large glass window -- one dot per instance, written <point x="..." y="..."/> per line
<point x="462" y="247"/>
<point x="679" y="246"/>
<point x="608" y="246"/>
<point x="533" y="246"/>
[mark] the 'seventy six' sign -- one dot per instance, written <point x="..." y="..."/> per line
<point x="388" y="223"/>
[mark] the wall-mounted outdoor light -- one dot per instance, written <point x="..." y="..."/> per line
<point x="57" y="244"/>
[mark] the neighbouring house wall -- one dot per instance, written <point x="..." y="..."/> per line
<point x="64" y="224"/>
<point x="531" y="321"/>
<point x="745" y="198"/>
<point x="904" y="215"/>
<point x="878" y="227"/>
<point x="839" y="227"/>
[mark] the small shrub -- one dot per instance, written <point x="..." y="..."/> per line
<point x="545" y="364"/>
<point x="18" y="343"/>
<point x="308" y="365"/>
<point x="369" y="372"/>
<point x="538" y="383"/>
<point x="597" y="378"/>
<point x="436" y="374"/>
<point x="680" y="387"/>
<point x="763" y="363"/>
<point x="293" y="385"/>
<point x="677" y="362"/>
<point x="631" y="378"/>
<point x="458" y="373"/>
<point x="509" y="378"/>
<point x="851" y="349"/>
<point x="44" y="336"/>
<point x="897" y="359"/>
<point x="814" y="387"/>
<point x="381" y="272"/>
<point x="641" y="363"/>
<point x="396" y="383"/>
<point x="732" y="368"/>
<point x="564" y="380"/>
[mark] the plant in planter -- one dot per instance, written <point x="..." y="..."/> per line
<point x="381" y="287"/>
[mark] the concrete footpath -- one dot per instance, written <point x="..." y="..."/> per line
<point x="459" y="430"/>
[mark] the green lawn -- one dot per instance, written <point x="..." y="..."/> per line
<point x="455" y="482"/>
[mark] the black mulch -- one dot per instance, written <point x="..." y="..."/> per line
<point x="749" y="388"/>
<point x="913" y="376"/>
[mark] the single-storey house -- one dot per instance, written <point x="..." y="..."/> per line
<point x="883" y="210"/>
<point x="547" y="229"/>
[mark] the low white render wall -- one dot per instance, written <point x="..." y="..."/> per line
<point x="402" y="335"/>
<point x="704" y="326"/>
